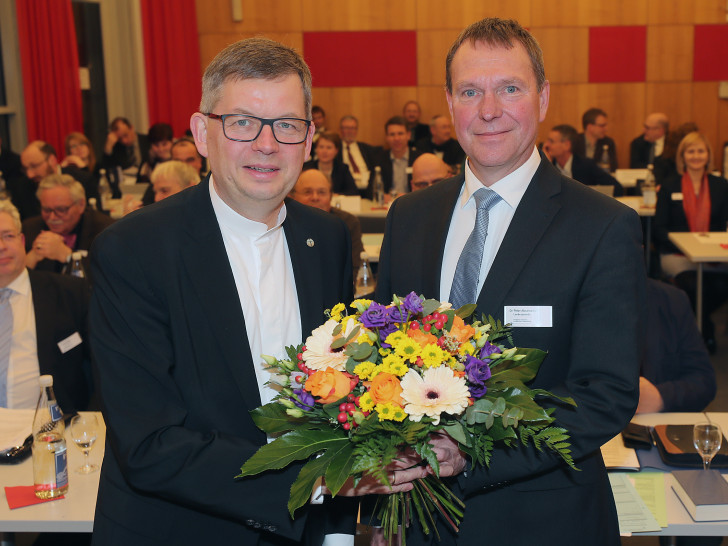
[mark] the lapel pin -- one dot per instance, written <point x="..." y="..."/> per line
<point x="309" y="242"/>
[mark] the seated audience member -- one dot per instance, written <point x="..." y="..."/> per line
<point x="328" y="147"/>
<point x="185" y="150"/>
<point x="314" y="189"/>
<point x="318" y="116"/>
<point x="46" y="315"/>
<point x="560" y="142"/>
<point x="397" y="158"/>
<point x="417" y="130"/>
<point x="591" y="142"/>
<point x="64" y="225"/>
<point x="650" y="144"/>
<point x="427" y="170"/>
<point x="172" y="177"/>
<point x="125" y="147"/>
<point x="665" y="165"/>
<point x="160" y="139"/>
<point x="359" y="156"/>
<point x="676" y="373"/>
<point x="693" y="200"/>
<point x="441" y="143"/>
<point x="80" y="155"/>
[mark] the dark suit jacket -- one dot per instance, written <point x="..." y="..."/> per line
<point x="176" y="378"/>
<point x="452" y="153"/>
<point x="418" y="132"/>
<point x="22" y="194"/>
<point x="676" y="360"/>
<point x="121" y="154"/>
<point x="341" y="179"/>
<point x="670" y="214"/>
<point x="580" y="149"/>
<point x="587" y="172"/>
<point x="370" y="155"/>
<point x="639" y="153"/>
<point x="61" y="305"/>
<point x="385" y="162"/>
<point x="91" y="224"/>
<point x="10" y="165"/>
<point x="578" y="252"/>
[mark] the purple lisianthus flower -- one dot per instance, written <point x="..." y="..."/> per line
<point x="487" y="350"/>
<point x="478" y="372"/>
<point x="394" y="314"/>
<point x="412" y="303"/>
<point x="384" y="332"/>
<point x="375" y="316"/>
<point x="305" y="400"/>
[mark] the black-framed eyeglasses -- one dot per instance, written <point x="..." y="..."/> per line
<point x="244" y="128"/>
<point x="59" y="211"/>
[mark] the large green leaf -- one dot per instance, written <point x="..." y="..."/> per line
<point x="524" y="369"/>
<point x="294" y="446"/>
<point x="272" y="419"/>
<point x="466" y="310"/>
<point x="457" y="433"/>
<point x="339" y="468"/>
<point x="302" y="488"/>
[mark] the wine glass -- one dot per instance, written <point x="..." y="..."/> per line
<point x="84" y="429"/>
<point x="707" y="438"/>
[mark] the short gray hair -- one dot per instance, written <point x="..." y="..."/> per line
<point x="178" y="170"/>
<point x="65" y="181"/>
<point x="253" y="58"/>
<point x="7" y="207"/>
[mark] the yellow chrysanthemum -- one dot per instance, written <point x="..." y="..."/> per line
<point x="365" y="402"/>
<point x="389" y="410"/>
<point x="395" y="365"/>
<point x="408" y="349"/>
<point x="379" y="368"/>
<point x="360" y="305"/>
<point x="364" y="338"/>
<point x="395" y="338"/>
<point x="364" y="370"/>
<point x="432" y="356"/>
<point x="384" y="352"/>
<point x="337" y="310"/>
<point x="466" y="349"/>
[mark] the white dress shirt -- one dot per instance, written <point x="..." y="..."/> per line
<point x="659" y="146"/>
<point x="23" y="370"/>
<point x="566" y="169"/>
<point x="263" y="273"/>
<point x="511" y="189"/>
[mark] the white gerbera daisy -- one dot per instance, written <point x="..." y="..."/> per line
<point x="318" y="354"/>
<point x="434" y="392"/>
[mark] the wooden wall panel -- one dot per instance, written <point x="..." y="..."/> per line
<point x="432" y="48"/>
<point x="436" y="14"/>
<point x="670" y="53"/>
<point x="323" y="15"/>
<point x="212" y="44"/>
<point x="705" y="112"/>
<point x="565" y="53"/>
<point x="215" y="16"/>
<point x="570" y="13"/>
<point x="673" y="98"/>
<point x="660" y="12"/>
<point x="433" y="102"/>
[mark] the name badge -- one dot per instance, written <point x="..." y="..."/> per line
<point x="677" y="196"/>
<point x="528" y="316"/>
<point x="74" y="340"/>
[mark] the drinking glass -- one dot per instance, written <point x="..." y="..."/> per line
<point x="84" y="429"/>
<point x="707" y="438"/>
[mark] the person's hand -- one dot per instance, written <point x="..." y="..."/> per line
<point x="401" y="473"/>
<point x="451" y="459"/>
<point x="131" y="204"/>
<point x="650" y="398"/>
<point x="111" y="139"/>
<point x="73" y="160"/>
<point x="49" y="245"/>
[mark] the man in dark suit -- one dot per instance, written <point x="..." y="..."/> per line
<point x="124" y="147"/>
<point x="48" y="327"/>
<point x="411" y="112"/>
<point x="592" y="141"/>
<point x="560" y="142"/>
<point x="397" y="157"/>
<point x="441" y="143"/>
<point x="649" y="145"/>
<point x="359" y="156"/>
<point x="188" y="294"/>
<point x="562" y="258"/>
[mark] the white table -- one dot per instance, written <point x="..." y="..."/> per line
<point x="72" y="514"/>
<point x="700" y="248"/>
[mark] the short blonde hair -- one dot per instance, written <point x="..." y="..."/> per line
<point x="685" y="143"/>
<point x="178" y="170"/>
<point x="62" y="180"/>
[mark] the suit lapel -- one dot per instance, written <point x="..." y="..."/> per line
<point x="212" y="280"/>
<point x="534" y="214"/>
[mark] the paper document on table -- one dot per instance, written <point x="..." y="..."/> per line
<point x="619" y="457"/>
<point x="633" y="514"/>
<point x="651" y="487"/>
<point x="715" y="238"/>
<point x="15" y="426"/>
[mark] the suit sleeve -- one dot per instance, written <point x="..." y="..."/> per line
<point x="163" y="450"/>
<point x="602" y="363"/>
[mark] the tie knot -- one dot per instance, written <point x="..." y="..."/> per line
<point x="485" y="198"/>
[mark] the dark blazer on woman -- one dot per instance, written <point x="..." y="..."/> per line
<point x="341" y="180"/>
<point x="670" y="214"/>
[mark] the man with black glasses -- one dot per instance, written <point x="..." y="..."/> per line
<point x="188" y="294"/>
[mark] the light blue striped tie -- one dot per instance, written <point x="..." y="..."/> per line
<point x="6" y="338"/>
<point x="465" y="282"/>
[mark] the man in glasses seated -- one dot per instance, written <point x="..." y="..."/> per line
<point x="65" y="225"/>
<point x="428" y="169"/>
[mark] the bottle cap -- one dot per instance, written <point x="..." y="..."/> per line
<point x="46" y="380"/>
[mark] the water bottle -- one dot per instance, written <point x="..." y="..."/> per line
<point x="378" y="187"/>
<point x="50" y="463"/>
<point x="604" y="159"/>
<point x="649" y="189"/>
<point x="104" y="189"/>
<point x="365" y="281"/>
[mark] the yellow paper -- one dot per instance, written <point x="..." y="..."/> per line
<point x="651" y="487"/>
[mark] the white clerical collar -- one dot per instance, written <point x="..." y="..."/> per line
<point x="510" y="188"/>
<point x="230" y="219"/>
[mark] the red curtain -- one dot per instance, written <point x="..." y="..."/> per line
<point x="172" y="60"/>
<point x="49" y="61"/>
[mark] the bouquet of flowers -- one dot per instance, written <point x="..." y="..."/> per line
<point x="369" y="384"/>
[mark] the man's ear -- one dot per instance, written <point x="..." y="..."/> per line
<point x="198" y="126"/>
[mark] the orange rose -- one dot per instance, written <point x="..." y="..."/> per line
<point x="421" y="337"/>
<point x="328" y="385"/>
<point x="461" y="331"/>
<point x="385" y="388"/>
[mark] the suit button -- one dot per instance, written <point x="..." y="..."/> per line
<point x="249" y="522"/>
